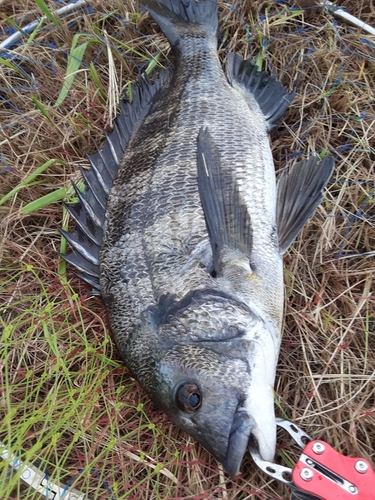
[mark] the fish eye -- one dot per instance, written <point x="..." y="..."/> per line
<point x="188" y="397"/>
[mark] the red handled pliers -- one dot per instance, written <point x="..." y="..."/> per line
<point x="321" y="473"/>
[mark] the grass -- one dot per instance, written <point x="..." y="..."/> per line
<point x="67" y="403"/>
<point x="74" y="394"/>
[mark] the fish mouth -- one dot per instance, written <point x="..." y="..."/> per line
<point x="239" y="437"/>
<point x="244" y="432"/>
<point x="255" y="413"/>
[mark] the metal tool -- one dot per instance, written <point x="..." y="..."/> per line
<point x="321" y="472"/>
<point x="38" y="480"/>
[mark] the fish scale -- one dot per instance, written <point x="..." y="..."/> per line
<point x="192" y="236"/>
<point x="173" y="173"/>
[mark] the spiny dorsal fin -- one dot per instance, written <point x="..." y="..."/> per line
<point x="89" y="212"/>
<point x="227" y="218"/>
<point x="299" y="192"/>
<point x="271" y="95"/>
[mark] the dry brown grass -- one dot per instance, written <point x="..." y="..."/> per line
<point x="66" y="399"/>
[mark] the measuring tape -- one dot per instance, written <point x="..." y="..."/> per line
<point x="38" y="480"/>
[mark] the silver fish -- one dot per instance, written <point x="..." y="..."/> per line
<point x="182" y="228"/>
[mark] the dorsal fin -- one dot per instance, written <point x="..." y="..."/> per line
<point x="227" y="218"/>
<point x="271" y="95"/>
<point x="89" y="212"/>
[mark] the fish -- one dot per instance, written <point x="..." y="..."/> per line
<point x="182" y="229"/>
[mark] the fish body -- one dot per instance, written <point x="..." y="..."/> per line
<point x="191" y="243"/>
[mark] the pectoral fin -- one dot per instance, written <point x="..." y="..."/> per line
<point x="299" y="192"/>
<point x="227" y="218"/>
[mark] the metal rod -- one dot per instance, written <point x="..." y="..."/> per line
<point x="343" y="14"/>
<point x="15" y="37"/>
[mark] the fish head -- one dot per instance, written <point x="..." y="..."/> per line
<point x="214" y="377"/>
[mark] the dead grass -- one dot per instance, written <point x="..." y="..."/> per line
<point x="66" y="400"/>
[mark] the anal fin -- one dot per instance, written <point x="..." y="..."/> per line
<point x="299" y="192"/>
<point x="227" y="218"/>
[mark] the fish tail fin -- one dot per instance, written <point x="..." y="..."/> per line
<point x="178" y="18"/>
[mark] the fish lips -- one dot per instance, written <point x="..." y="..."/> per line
<point x="238" y="442"/>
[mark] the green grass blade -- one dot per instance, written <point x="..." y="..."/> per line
<point x="63" y="243"/>
<point x="323" y="153"/>
<point x="259" y="61"/>
<point x="74" y="62"/>
<point x="154" y="62"/>
<point x="14" y="24"/>
<point x="9" y="64"/>
<point x="134" y="51"/>
<point x="96" y="80"/>
<point x="29" y="179"/>
<point x="41" y="169"/>
<point x="130" y="92"/>
<point x="41" y="108"/>
<point x="44" y="201"/>
<point x="44" y="8"/>
<point x="34" y="34"/>
<point x="278" y="404"/>
<point x="71" y="198"/>
<point x="285" y="16"/>
<point x="54" y="197"/>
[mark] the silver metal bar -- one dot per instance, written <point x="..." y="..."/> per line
<point x="15" y="37"/>
<point x="294" y="431"/>
<point x="279" y="472"/>
<point x="276" y="471"/>
<point x="343" y="14"/>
